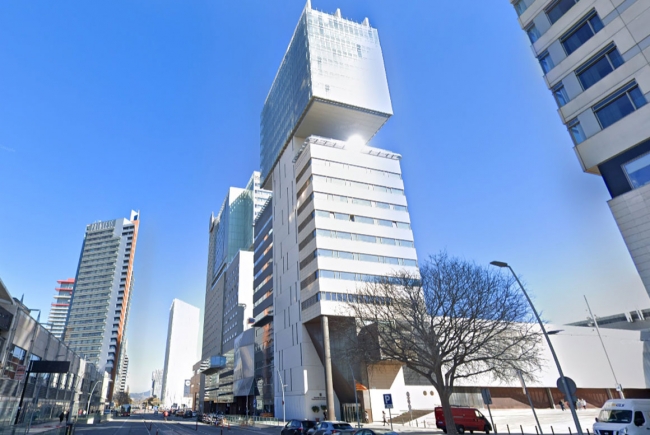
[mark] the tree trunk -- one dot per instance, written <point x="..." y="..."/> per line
<point x="446" y="411"/>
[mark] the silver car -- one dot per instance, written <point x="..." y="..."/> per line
<point x="334" y="428"/>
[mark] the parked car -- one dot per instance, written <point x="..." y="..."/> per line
<point x="466" y="419"/>
<point x="366" y="432"/>
<point x="298" y="427"/>
<point x="187" y="414"/>
<point x="334" y="427"/>
<point x="624" y="416"/>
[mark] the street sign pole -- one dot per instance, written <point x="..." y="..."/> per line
<point x="388" y="403"/>
<point x="22" y="395"/>
<point x="487" y="400"/>
<point x="391" y="420"/>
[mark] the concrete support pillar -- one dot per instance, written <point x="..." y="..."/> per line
<point x="550" y="398"/>
<point x="329" y="385"/>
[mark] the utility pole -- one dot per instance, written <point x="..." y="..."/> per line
<point x="619" y="387"/>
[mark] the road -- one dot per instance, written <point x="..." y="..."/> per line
<point x="149" y="424"/>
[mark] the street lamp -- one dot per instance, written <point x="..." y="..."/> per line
<point x="284" y="415"/>
<point x="548" y="341"/>
<point x="90" y="396"/>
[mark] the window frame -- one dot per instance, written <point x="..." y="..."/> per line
<point x="529" y="28"/>
<point x="620" y="92"/>
<point x="627" y="175"/>
<point x="585" y="20"/>
<point x="553" y="5"/>
<point x="560" y="87"/>
<point x="544" y="55"/>
<point x="573" y="123"/>
<point x="593" y="60"/>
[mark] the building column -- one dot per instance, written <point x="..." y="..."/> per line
<point x="329" y="386"/>
<point x="550" y="398"/>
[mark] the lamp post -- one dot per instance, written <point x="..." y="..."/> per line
<point x="284" y="415"/>
<point x="548" y="341"/>
<point x="90" y="396"/>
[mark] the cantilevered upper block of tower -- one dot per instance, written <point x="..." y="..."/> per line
<point x="331" y="83"/>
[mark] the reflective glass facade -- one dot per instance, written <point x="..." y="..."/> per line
<point x="329" y="59"/>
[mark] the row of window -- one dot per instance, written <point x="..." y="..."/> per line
<point x="358" y="185"/>
<point x="356" y="237"/>
<point x="349" y="276"/>
<point x="357" y="257"/>
<point x="359" y="201"/>
<point x="344" y="297"/>
<point x="362" y="219"/>
<point x="574" y="38"/>
<point x="615" y="107"/>
<point x="554" y="11"/>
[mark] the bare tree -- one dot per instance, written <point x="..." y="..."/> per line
<point x="454" y="321"/>
<point x="121" y="398"/>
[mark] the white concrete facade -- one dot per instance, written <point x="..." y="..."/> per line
<point x="181" y="353"/>
<point x="601" y="82"/>
<point x="367" y="232"/>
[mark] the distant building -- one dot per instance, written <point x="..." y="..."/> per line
<point x="229" y="290"/>
<point x="59" y="308"/>
<point x="637" y="320"/>
<point x="595" y="56"/>
<point x="181" y="353"/>
<point x="123" y="370"/>
<point x="102" y="293"/>
<point x="156" y="383"/>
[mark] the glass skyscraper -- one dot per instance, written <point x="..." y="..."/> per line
<point x="331" y="83"/>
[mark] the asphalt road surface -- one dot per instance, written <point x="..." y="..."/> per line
<point x="149" y="424"/>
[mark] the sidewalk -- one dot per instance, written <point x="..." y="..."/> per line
<point x="516" y="420"/>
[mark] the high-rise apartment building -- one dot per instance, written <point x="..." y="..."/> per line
<point x="595" y="56"/>
<point x="122" y="370"/>
<point x="101" y="298"/>
<point x="181" y="353"/>
<point x="340" y="214"/>
<point x="59" y="308"/>
<point x="229" y="290"/>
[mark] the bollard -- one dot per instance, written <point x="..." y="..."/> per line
<point x="197" y="426"/>
<point x="569" y="430"/>
<point x="221" y="430"/>
<point x="507" y="425"/>
<point x="416" y="423"/>
<point x="522" y="429"/>
<point x="552" y="431"/>
<point x="588" y="433"/>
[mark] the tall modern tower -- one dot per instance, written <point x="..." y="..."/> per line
<point x="102" y="292"/>
<point x="181" y="353"/>
<point x="595" y="56"/>
<point x="59" y="308"/>
<point x="229" y="290"/>
<point x="340" y="214"/>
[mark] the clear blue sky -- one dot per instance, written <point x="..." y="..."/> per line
<point x="108" y="106"/>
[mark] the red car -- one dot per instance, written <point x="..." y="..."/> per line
<point x="466" y="419"/>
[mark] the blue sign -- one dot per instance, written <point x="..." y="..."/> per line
<point x="254" y="403"/>
<point x="388" y="401"/>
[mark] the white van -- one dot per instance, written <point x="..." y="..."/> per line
<point x="624" y="417"/>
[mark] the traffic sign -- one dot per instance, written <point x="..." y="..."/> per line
<point x="572" y="388"/>
<point x="254" y="403"/>
<point x="388" y="401"/>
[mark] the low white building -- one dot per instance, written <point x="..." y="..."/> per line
<point x="581" y="356"/>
